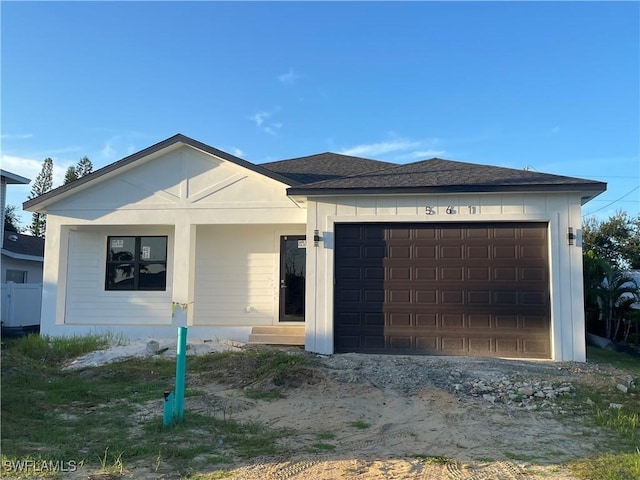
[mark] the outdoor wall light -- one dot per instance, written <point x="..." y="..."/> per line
<point x="571" y="236"/>
<point x="316" y="238"/>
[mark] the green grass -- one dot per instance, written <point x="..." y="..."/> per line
<point x="620" y="466"/>
<point x="435" y="459"/>
<point x="622" y="420"/>
<point x="360" y="425"/>
<point x="619" y="360"/>
<point x="325" y="436"/>
<point x="322" y="446"/>
<point x="55" y="350"/>
<point x="92" y="415"/>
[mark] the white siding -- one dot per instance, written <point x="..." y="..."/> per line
<point x="237" y="274"/>
<point x="87" y="301"/>
<point x="33" y="268"/>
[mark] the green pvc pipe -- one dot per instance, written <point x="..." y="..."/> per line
<point x="167" y="411"/>
<point x="181" y="367"/>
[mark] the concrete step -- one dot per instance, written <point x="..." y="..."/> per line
<point x="274" y="339"/>
<point x="277" y="335"/>
<point x="279" y="329"/>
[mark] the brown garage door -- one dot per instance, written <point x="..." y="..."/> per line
<point x="442" y="289"/>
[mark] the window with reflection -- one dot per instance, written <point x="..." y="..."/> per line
<point x="136" y="263"/>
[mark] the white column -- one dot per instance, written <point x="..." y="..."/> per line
<point x="184" y="262"/>
<point x="54" y="276"/>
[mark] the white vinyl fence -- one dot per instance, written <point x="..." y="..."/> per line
<point x="21" y="304"/>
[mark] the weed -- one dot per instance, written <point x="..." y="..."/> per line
<point x="620" y="360"/>
<point x="326" y="436"/>
<point x="113" y="466"/>
<point x="619" y="466"/>
<point x="519" y="457"/>
<point x="360" y="425"/>
<point x="55" y="350"/>
<point x="323" y="446"/>
<point x="624" y="422"/>
<point x="435" y="460"/>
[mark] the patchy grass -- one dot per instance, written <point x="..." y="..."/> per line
<point x="326" y="436"/>
<point x="435" y="460"/>
<point x="324" y="447"/>
<point x="93" y="416"/>
<point x="360" y="425"/>
<point x="618" y="360"/>
<point x="620" y="466"/>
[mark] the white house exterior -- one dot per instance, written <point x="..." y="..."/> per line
<point x="21" y="259"/>
<point x="184" y="234"/>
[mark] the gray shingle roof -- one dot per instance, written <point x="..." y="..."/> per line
<point x="332" y="173"/>
<point x="23" y="244"/>
<point x="324" y="166"/>
<point x="437" y="175"/>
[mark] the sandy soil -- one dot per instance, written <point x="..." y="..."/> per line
<point x="409" y="435"/>
<point x="412" y="427"/>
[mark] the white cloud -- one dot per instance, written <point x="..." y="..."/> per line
<point x="259" y="118"/>
<point x="373" y="149"/>
<point x="289" y="78"/>
<point x="422" y="154"/>
<point x="30" y="168"/>
<point x="272" y="129"/>
<point x="108" y="151"/>
<point x="16" y="136"/>
<point x="237" y="152"/>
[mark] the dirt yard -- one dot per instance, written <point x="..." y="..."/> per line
<point x="387" y="417"/>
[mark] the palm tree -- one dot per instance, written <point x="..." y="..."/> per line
<point x="615" y="294"/>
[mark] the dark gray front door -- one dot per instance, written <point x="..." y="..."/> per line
<point x="293" y="258"/>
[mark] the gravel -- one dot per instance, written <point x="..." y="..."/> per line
<point x="514" y="384"/>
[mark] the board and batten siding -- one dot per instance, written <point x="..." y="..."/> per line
<point x="558" y="210"/>
<point x="88" y="303"/>
<point x="237" y="274"/>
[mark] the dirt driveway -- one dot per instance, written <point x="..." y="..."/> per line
<point x="388" y="417"/>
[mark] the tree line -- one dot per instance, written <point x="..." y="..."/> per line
<point x="610" y="250"/>
<point x="42" y="184"/>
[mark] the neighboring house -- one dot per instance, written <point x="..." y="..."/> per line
<point x="434" y="257"/>
<point x="22" y="257"/>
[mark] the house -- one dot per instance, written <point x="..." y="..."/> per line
<point x="22" y="257"/>
<point x="347" y="254"/>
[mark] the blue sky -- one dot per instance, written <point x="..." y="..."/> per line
<point x="550" y="86"/>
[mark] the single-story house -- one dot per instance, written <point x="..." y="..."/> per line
<point x="347" y="254"/>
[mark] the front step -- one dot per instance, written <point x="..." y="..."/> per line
<point x="277" y="335"/>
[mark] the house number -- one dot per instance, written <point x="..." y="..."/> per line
<point x="450" y="210"/>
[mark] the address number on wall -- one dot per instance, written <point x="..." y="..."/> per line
<point x="450" y="210"/>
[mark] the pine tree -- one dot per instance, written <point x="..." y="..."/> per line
<point x="84" y="167"/>
<point x="11" y="219"/>
<point x="71" y="175"/>
<point x="41" y="185"/>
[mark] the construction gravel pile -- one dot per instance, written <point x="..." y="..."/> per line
<point x="514" y="384"/>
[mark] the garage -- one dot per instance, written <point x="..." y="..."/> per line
<point x="477" y="289"/>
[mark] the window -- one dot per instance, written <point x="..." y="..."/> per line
<point x="16" y="276"/>
<point x="136" y="263"/>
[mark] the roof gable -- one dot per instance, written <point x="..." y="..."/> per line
<point x="140" y="157"/>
